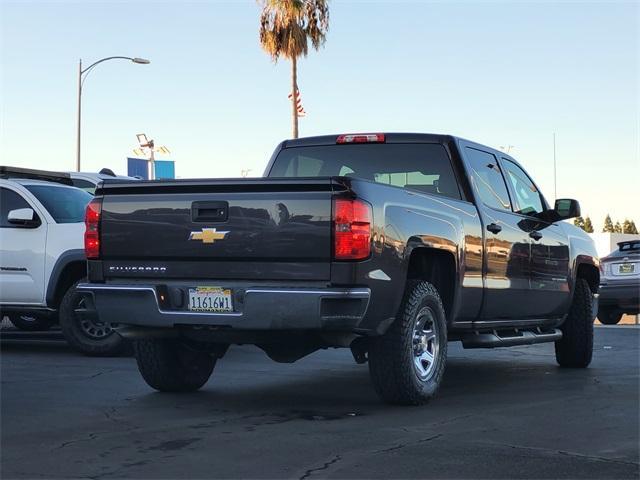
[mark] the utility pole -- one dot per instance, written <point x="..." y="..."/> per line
<point x="151" y="147"/>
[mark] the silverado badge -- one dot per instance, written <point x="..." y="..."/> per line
<point x="207" y="235"/>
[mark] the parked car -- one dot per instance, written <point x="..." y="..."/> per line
<point x="88" y="181"/>
<point x="620" y="283"/>
<point x="42" y="257"/>
<point x="390" y="244"/>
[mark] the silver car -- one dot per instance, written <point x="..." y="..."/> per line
<point x="620" y="283"/>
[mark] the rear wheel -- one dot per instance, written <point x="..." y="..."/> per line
<point x="609" y="316"/>
<point x="575" y="348"/>
<point x="31" y="322"/>
<point x="407" y="363"/>
<point x="90" y="337"/>
<point x="171" y="366"/>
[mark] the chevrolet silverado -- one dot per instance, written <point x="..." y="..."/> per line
<point x="389" y="244"/>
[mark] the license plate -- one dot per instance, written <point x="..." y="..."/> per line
<point x="626" y="268"/>
<point x="210" y="299"/>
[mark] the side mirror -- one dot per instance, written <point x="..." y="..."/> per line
<point x="566" y="208"/>
<point x="24" y="217"/>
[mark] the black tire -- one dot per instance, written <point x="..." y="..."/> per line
<point x="575" y="348"/>
<point x="395" y="364"/>
<point x="609" y="316"/>
<point x="89" y="337"/>
<point x="31" y="322"/>
<point x="170" y="366"/>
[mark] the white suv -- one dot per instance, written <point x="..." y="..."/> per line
<point x="42" y="258"/>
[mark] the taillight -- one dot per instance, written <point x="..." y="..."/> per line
<point x="352" y="229"/>
<point x="361" y="138"/>
<point x="92" y="229"/>
<point x="605" y="268"/>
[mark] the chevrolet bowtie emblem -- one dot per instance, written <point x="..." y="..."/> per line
<point x="207" y="235"/>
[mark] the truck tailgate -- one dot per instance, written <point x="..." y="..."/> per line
<point x="217" y="229"/>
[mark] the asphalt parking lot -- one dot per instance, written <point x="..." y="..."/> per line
<point x="504" y="413"/>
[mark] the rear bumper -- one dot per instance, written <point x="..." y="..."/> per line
<point x="621" y="294"/>
<point x="263" y="308"/>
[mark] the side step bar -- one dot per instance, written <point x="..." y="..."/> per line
<point x="509" y="338"/>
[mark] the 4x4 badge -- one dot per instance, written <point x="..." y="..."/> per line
<point x="208" y="235"/>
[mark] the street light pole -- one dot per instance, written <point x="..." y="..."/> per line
<point x="79" y="115"/>
<point x="81" y="80"/>
<point x="555" y="182"/>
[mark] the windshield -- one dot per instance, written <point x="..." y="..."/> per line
<point x="64" y="204"/>
<point x="424" y="167"/>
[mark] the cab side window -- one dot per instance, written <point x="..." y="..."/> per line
<point x="488" y="179"/>
<point x="527" y="199"/>
<point x="10" y="200"/>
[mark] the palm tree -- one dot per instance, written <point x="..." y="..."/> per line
<point x="286" y="27"/>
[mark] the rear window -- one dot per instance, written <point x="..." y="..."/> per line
<point x="64" y="204"/>
<point x="625" y="249"/>
<point x="423" y="167"/>
<point x="85" y="185"/>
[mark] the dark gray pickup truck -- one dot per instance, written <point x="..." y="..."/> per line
<point x="390" y="244"/>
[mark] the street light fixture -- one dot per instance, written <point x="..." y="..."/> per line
<point x="82" y="75"/>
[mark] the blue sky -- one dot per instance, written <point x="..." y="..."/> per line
<point x="500" y="73"/>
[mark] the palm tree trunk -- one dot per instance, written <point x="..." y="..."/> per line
<point x="294" y="96"/>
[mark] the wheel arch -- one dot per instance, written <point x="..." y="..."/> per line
<point x="438" y="267"/>
<point x="590" y="273"/>
<point x="70" y="267"/>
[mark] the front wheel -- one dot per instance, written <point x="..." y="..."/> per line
<point x="407" y="363"/>
<point x="90" y="337"/>
<point x="170" y="366"/>
<point x="575" y="348"/>
<point x="608" y="316"/>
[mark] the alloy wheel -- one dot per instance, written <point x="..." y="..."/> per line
<point x="426" y="344"/>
